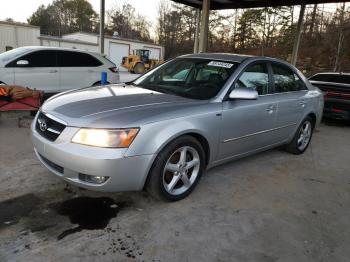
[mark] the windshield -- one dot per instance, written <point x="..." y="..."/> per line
<point x="9" y="55"/>
<point x="188" y="77"/>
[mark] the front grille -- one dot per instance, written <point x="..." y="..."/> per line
<point x="51" y="164"/>
<point x="48" y="128"/>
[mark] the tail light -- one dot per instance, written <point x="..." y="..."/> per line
<point x="114" y="69"/>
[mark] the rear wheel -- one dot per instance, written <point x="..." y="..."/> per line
<point x="176" y="170"/>
<point x="139" y="68"/>
<point x="302" y="137"/>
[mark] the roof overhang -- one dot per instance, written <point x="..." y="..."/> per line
<point x="235" y="4"/>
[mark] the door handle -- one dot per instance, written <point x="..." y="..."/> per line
<point x="53" y="71"/>
<point x="270" y="109"/>
<point x="302" y="103"/>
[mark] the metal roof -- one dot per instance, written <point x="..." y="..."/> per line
<point x="19" y="24"/>
<point x="235" y="4"/>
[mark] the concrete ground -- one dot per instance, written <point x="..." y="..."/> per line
<point x="269" y="207"/>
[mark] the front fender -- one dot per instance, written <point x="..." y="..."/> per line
<point x="153" y="137"/>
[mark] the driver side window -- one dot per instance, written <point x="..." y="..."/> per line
<point x="256" y="77"/>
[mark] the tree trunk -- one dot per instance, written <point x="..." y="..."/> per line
<point x="341" y="39"/>
<point x="313" y="18"/>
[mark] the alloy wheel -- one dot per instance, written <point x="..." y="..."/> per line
<point x="304" y="135"/>
<point x="181" y="170"/>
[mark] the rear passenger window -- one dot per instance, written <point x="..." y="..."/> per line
<point x="45" y="58"/>
<point x="285" y="80"/>
<point x="255" y="77"/>
<point x="76" y="59"/>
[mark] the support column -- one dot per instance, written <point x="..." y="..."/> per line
<point x="298" y="35"/>
<point x="203" y="37"/>
<point x="196" y="35"/>
<point x="102" y="26"/>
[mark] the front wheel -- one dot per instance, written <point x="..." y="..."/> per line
<point x="302" y="137"/>
<point x="139" y="68"/>
<point x="176" y="170"/>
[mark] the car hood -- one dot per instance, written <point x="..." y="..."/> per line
<point x="117" y="106"/>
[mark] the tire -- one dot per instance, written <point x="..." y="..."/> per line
<point x="302" y="137"/>
<point x="139" y="68"/>
<point x="170" y="177"/>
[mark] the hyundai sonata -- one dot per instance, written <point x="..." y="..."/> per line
<point x="161" y="131"/>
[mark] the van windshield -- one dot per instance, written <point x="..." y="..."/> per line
<point x="194" y="78"/>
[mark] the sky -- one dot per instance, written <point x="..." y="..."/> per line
<point x="20" y="10"/>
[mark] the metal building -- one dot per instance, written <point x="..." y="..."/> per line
<point x="13" y="35"/>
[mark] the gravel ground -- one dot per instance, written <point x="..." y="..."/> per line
<point x="269" y="207"/>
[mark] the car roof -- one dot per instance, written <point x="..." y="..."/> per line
<point x="238" y="58"/>
<point x="33" y="48"/>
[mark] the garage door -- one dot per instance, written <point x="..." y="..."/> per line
<point x="116" y="53"/>
<point x="155" y="52"/>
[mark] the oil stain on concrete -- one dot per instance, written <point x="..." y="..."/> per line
<point x="12" y="210"/>
<point x="88" y="213"/>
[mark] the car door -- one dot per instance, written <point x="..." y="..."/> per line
<point x="78" y="69"/>
<point x="248" y="124"/>
<point x="290" y="92"/>
<point x="39" y="72"/>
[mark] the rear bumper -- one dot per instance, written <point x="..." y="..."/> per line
<point x="113" y="78"/>
<point x="67" y="160"/>
<point x="337" y="109"/>
<point x="342" y="115"/>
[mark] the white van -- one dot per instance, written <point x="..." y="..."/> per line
<point x="54" y="70"/>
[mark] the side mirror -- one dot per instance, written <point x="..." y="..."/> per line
<point x="22" y="62"/>
<point x="244" y="93"/>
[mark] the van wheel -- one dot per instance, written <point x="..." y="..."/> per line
<point x="139" y="68"/>
<point x="302" y="138"/>
<point x="176" y="170"/>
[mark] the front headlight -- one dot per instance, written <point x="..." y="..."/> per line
<point x="120" y="138"/>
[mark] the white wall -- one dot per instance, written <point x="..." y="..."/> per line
<point x="62" y="43"/>
<point x="16" y="35"/>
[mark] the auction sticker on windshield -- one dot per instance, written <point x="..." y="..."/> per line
<point x="220" y="64"/>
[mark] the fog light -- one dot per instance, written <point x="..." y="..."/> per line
<point x="93" y="179"/>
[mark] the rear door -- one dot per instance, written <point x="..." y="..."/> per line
<point x="78" y="69"/>
<point x="41" y="72"/>
<point x="291" y="93"/>
<point x="248" y="124"/>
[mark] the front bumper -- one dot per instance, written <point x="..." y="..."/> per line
<point x="67" y="160"/>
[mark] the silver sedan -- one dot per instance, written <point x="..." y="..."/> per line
<point x="161" y="131"/>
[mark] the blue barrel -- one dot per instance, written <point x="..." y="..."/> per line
<point x="104" y="78"/>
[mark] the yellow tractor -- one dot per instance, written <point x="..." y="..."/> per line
<point x="139" y="61"/>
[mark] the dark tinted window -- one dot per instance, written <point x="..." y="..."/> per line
<point x="76" y="59"/>
<point x="189" y="77"/>
<point x="44" y="58"/>
<point x="256" y="77"/>
<point x="285" y="80"/>
<point x="335" y="78"/>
